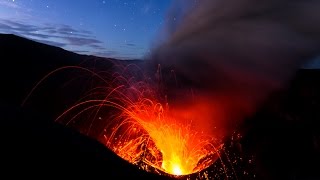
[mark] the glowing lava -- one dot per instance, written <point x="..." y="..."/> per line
<point x="141" y="128"/>
<point x="147" y="133"/>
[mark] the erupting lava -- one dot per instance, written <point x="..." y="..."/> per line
<point x="146" y="133"/>
<point x="142" y="129"/>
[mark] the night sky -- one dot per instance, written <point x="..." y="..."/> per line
<point x="124" y="29"/>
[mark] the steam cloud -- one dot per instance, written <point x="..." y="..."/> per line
<point x="234" y="53"/>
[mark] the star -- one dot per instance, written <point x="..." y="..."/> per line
<point x="105" y="21"/>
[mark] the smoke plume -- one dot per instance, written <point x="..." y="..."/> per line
<point x="233" y="54"/>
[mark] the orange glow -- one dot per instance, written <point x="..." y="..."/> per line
<point x="142" y="128"/>
<point x="147" y="132"/>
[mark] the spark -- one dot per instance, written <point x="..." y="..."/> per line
<point x="169" y="145"/>
<point x="133" y="119"/>
<point x="145" y="131"/>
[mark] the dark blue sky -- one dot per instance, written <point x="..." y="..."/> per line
<point x="122" y="29"/>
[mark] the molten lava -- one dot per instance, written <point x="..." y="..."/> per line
<point x="147" y="133"/>
<point x="142" y="129"/>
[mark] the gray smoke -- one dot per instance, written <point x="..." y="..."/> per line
<point x="234" y="53"/>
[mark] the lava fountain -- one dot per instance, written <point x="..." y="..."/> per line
<point x="148" y="134"/>
<point x="141" y="128"/>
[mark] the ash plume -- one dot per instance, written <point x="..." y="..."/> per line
<point x="234" y="53"/>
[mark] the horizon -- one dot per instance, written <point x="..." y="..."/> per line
<point x="110" y="28"/>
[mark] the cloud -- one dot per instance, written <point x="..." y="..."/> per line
<point x="38" y="35"/>
<point x="9" y="4"/>
<point x="60" y="35"/>
<point x="4" y="26"/>
<point x="79" y="41"/>
<point x="95" y="46"/>
<point x="64" y="36"/>
<point x="17" y="26"/>
<point x="52" y="43"/>
<point x="66" y="29"/>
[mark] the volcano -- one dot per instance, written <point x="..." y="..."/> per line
<point x="281" y="141"/>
